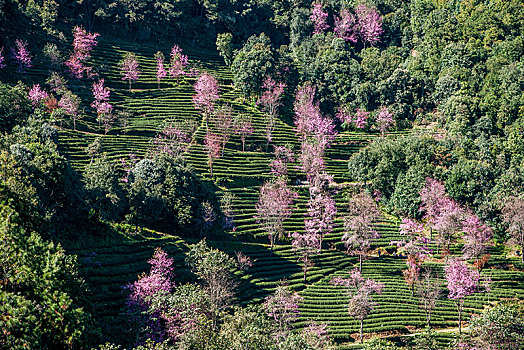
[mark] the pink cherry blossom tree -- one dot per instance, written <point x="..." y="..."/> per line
<point x="70" y="104"/>
<point x="309" y="121"/>
<point x="513" y="216"/>
<point x="83" y="44"/>
<point x="273" y="207"/>
<point x="37" y="95"/>
<point x="359" y="225"/>
<point x="462" y="282"/>
<point x="311" y="160"/>
<point x="142" y="293"/>
<point x="283" y="156"/>
<point x="174" y="138"/>
<point x="305" y="245"/>
<point x="179" y="63"/>
<point x="101" y="104"/>
<point x="212" y="148"/>
<point x="449" y="222"/>
<point x="412" y="273"/>
<point x="346" y="26"/>
<point x="282" y="307"/>
<point x="129" y="68"/>
<point x="2" y="58"/>
<point x="384" y="120"/>
<point x="369" y="24"/>
<point x="429" y="291"/>
<point x="361" y="292"/>
<point x="21" y="55"/>
<point x="243" y="127"/>
<point x="270" y="101"/>
<point x="207" y="93"/>
<point x="160" y="69"/>
<point x="223" y="124"/>
<point x="477" y="237"/>
<point x="360" y="118"/>
<point x="321" y="213"/>
<point x="319" y="17"/>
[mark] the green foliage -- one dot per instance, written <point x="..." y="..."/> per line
<point x="500" y="327"/>
<point x="15" y="107"/>
<point x="225" y="47"/>
<point x="253" y="63"/>
<point x="105" y="195"/>
<point x="41" y="294"/>
<point x="379" y="344"/>
<point x="164" y="194"/>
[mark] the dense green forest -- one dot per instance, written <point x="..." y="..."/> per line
<point x="253" y="174"/>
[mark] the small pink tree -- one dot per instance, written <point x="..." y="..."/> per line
<point x="311" y="160"/>
<point x="361" y="292"/>
<point x="2" y="58"/>
<point x="143" y="291"/>
<point x="223" y="124"/>
<point x="449" y="222"/>
<point x="513" y="216"/>
<point x="21" y="55"/>
<point x="319" y="17"/>
<point x="160" y="69"/>
<point x="305" y="245"/>
<point x="477" y="237"/>
<point x="361" y="118"/>
<point x="359" y="225"/>
<point x="273" y="207"/>
<point x="384" y="120"/>
<point x="70" y="104"/>
<point x="101" y="104"/>
<point x="213" y="148"/>
<point x="243" y="127"/>
<point x="178" y="63"/>
<point x="282" y="307"/>
<point x="83" y="44"/>
<point x="428" y="290"/>
<point x="346" y="26"/>
<point x="461" y="282"/>
<point x="369" y="24"/>
<point x="129" y="68"/>
<point x="172" y="140"/>
<point x="270" y="102"/>
<point x="283" y="156"/>
<point x="207" y="93"/>
<point x="321" y="213"/>
<point x="37" y="95"/>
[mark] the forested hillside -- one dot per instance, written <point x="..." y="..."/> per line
<point x="252" y="174"/>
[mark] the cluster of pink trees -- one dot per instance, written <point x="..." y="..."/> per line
<point x="359" y="119"/>
<point x="83" y="44"/>
<point x="448" y="219"/>
<point x="360" y="292"/>
<point x="179" y="63"/>
<point x="365" y="24"/>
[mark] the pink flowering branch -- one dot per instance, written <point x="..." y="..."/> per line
<point x="37" y="95"/>
<point x="319" y="17"/>
<point x="21" y="55"/>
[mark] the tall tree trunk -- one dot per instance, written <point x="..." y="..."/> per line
<point x="459" y="307"/>
<point x="361" y="331"/>
<point x="360" y="263"/>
